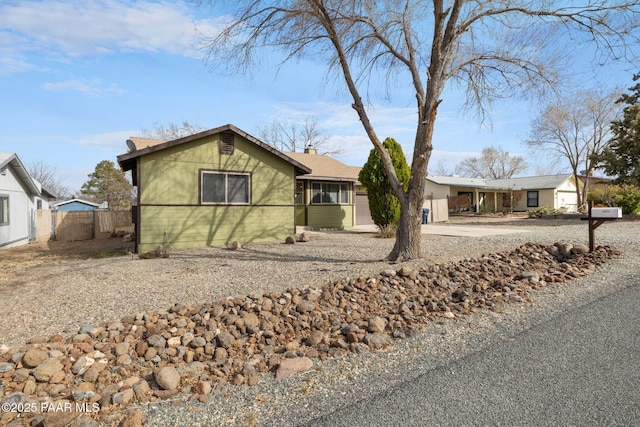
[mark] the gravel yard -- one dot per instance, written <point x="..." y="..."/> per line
<point x="64" y="295"/>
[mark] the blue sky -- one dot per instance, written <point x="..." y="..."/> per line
<point x="77" y="78"/>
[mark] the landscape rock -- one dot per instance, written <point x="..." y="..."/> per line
<point x="290" y="240"/>
<point x="167" y="378"/>
<point x="158" y="252"/>
<point x="305" y="236"/>
<point x="226" y="340"/>
<point x="123" y="397"/>
<point x="91" y="374"/>
<point x="289" y="367"/>
<point x="376" y="324"/>
<point x="377" y="340"/>
<point x="34" y="357"/>
<point x="47" y="369"/>
<point x="203" y="387"/>
<point x="192" y="348"/>
<point x="6" y="367"/>
<point x="234" y="245"/>
<point x="579" y="249"/>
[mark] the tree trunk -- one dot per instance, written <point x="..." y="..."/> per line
<point x="408" y="235"/>
<point x="409" y="232"/>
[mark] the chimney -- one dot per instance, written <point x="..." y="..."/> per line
<point x="310" y="150"/>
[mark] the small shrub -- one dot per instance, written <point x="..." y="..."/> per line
<point x="626" y="197"/>
<point x="629" y="199"/>
<point x="603" y="195"/>
<point x="542" y="211"/>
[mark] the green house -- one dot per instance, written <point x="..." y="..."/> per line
<point x="326" y="197"/>
<point x="210" y="188"/>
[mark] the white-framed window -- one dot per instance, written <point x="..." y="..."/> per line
<point x="329" y="193"/>
<point x="4" y="209"/>
<point x="225" y="188"/>
<point x="532" y="199"/>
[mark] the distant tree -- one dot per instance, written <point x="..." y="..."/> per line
<point x="491" y="49"/>
<point x="50" y="179"/>
<point x="575" y="129"/>
<point x="108" y="184"/>
<point x="445" y="169"/>
<point x="296" y="136"/>
<point x="494" y="163"/>
<point x="383" y="203"/>
<point x="621" y="157"/>
<point x="172" y="131"/>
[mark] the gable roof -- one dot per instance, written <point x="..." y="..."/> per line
<point x="127" y="161"/>
<point x="540" y="182"/>
<point x="84" y="202"/>
<point x="11" y="160"/>
<point x="325" y="167"/>
<point x="141" y="143"/>
<point x="458" y="181"/>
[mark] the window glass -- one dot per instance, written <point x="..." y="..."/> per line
<point x="330" y="194"/>
<point x="532" y="199"/>
<point x="213" y="188"/>
<point x="4" y="209"/>
<point x="344" y="194"/>
<point x="316" y="193"/>
<point x="237" y="188"/>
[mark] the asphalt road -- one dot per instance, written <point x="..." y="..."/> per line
<point x="581" y="368"/>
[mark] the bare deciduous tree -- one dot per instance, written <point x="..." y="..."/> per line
<point x="296" y="136"/>
<point x="444" y="168"/>
<point x="172" y="131"/>
<point x="50" y="179"/>
<point x="575" y="129"/>
<point x="492" y="48"/>
<point x="494" y="163"/>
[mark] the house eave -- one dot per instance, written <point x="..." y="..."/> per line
<point x="128" y="161"/>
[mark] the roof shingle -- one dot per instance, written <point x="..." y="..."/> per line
<point x="325" y="167"/>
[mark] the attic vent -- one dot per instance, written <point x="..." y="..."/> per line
<point x="226" y="143"/>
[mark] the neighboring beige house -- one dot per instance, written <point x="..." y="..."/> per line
<point x="516" y="194"/>
<point x="330" y="196"/>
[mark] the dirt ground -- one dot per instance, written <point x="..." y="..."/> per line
<point x="16" y="262"/>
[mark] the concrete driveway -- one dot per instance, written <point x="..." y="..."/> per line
<point x="451" y="230"/>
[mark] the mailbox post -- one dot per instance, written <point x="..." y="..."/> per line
<point x="597" y="217"/>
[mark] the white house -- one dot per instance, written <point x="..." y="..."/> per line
<point x="20" y="198"/>
<point x="516" y="194"/>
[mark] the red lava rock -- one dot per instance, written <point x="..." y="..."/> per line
<point x="235" y="339"/>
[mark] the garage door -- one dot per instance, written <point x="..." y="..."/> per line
<point x="363" y="215"/>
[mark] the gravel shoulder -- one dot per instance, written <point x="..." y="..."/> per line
<point x="66" y="294"/>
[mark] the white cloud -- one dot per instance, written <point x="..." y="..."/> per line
<point x="111" y="141"/>
<point x="72" y="28"/>
<point x="89" y="87"/>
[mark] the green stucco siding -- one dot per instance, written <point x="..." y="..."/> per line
<point x="330" y="216"/>
<point x="183" y="226"/>
<point x="170" y="206"/>
<point x="171" y="176"/>
<point x="300" y="215"/>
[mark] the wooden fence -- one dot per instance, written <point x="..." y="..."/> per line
<point x="438" y="209"/>
<point x="86" y="225"/>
